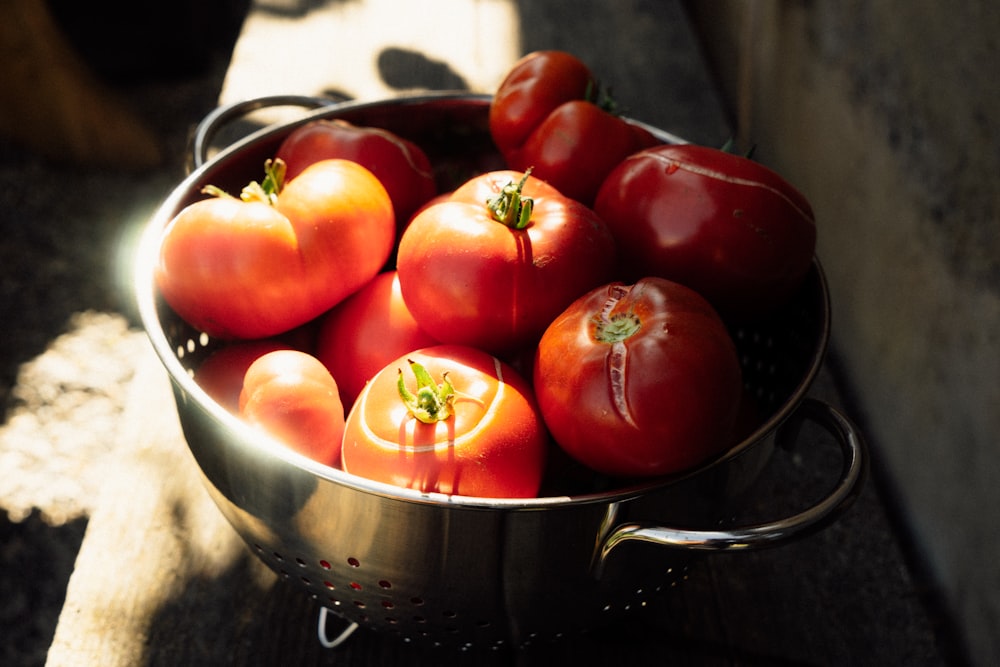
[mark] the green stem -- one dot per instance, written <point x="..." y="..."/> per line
<point x="510" y="206"/>
<point x="432" y="402"/>
<point x="266" y="191"/>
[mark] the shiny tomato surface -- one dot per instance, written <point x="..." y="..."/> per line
<point x="490" y="441"/>
<point x="291" y="396"/>
<point x="399" y="164"/>
<point x="253" y="269"/>
<point x="550" y="115"/>
<point x="366" y="331"/>
<point x="221" y="374"/>
<point x="722" y="224"/>
<point x="471" y="279"/>
<point x="639" y="380"/>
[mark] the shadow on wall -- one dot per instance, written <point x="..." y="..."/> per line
<point x="886" y="115"/>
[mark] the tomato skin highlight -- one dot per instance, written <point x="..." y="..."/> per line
<point x="400" y="165"/>
<point x="239" y="269"/>
<point x="661" y="400"/>
<point x="547" y="115"/>
<point x="575" y="148"/>
<point x="494" y="446"/>
<point x="221" y="374"/>
<point x="291" y="396"/>
<point x="366" y="331"/>
<point x="471" y="280"/>
<point x="726" y="226"/>
<point x="533" y="88"/>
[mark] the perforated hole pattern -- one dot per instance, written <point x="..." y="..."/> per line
<point x="372" y="601"/>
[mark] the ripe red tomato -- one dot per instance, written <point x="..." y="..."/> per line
<point x="471" y="428"/>
<point x="401" y="166"/>
<point x="722" y="224"/>
<point x="639" y="380"/>
<point x="292" y="396"/>
<point x="221" y="374"/>
<point x="366" y="331"/>
<point x="257" y="267"/>
<point x="550" y="115"/>
<point x="470" y="279"/>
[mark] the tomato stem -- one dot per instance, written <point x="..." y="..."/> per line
<point x="601" y="96"/>
<point x="730" y="147"/>
<point x="216" y="191"/>
<point x="267" y="190"/>
<point x="432" y="402"/>
<point x="510" y="206"/>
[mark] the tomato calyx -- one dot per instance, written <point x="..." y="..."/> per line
<point x="601" y="97"/>
<point x="266" y="191"/>
<point x="432" y="402"/>
<point x="615" y="328"/>
<point x="730" y="147"/>
<point x="510" y="207"/>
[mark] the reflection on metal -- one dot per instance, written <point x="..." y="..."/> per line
<point x="480" y="571"/>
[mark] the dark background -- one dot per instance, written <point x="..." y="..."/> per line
<point x="61" y="226"/>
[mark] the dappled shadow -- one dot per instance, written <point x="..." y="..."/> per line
<point x="406" y="69"/>
<point x="36" y="561"/>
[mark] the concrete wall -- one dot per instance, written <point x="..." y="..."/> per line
<point x="885" y="114"/>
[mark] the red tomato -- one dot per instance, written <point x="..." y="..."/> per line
<point x="292" y="397"/>
<point x="550" y="115"/>
<point x="221" y="374"/>
<point x="251" y="269"/>
<point x="639" y="380"/>
<point x="401" y="166"/>
<point x="533" y="88"/>
<point x="724" y="225"/>
<point x="369" y="329"/>
<point x="471" y="428"/>
<point x="470" y="279"/>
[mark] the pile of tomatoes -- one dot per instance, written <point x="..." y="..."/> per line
<point x="563" y="318"/>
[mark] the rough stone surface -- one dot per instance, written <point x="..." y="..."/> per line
<point x="884" y="114"/>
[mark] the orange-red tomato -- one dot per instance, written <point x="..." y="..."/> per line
<point x="253" y="269"/>
<point x="362" y="334"/>
<point x="485" y="275"/>
<point x="292" y="397"/>
<point x="486" y="440"/>
<point x="221" y="374"/>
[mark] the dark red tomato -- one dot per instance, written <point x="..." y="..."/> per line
<point x="472" y="275"/>
<point x="575" y="148"/>
<point x="534" y="87"/>
<point x="255" y="268"/>
<point x="549" y="115"/>
<point x="639" y="380"/>
<point x="401" y="166"/>
<point x="221" y="374"/>
<point x="292" y="396"/>
<point x="448" y="419"/>
<point x="369" y="329"/>
<point x="725" y="225"/>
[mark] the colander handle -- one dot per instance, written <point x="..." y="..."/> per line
<point x="773" y="533"/>
<point x="227" y="113"/>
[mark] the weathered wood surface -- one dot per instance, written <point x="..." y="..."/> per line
<point x="162" y="579"/>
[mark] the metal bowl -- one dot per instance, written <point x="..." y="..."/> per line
<point x="477" y="572"/>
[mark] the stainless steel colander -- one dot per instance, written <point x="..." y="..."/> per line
<point x="477" y="572"/>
